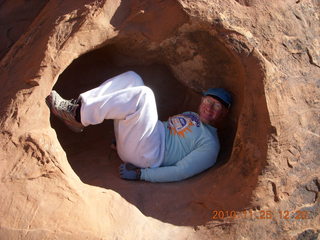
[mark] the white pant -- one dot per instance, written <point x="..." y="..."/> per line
<point x="139" y="134"/>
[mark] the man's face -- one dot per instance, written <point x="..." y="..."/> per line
<point x="211" y="110"/>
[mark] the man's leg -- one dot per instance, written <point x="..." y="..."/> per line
<point x="124" y="98"/>
<point x="113" y="99"/>
<point x="69" y="110"/>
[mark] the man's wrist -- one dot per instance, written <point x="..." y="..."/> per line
<point x="138" y="170"/>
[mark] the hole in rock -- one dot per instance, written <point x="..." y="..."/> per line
<point x="189" y="202"/>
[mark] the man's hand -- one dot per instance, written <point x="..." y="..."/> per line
<point x="129" y="171"/>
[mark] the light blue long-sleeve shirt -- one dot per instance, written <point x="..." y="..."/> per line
<point x="190" y="148"/>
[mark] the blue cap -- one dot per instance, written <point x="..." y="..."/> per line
<point x="220" y="94"/>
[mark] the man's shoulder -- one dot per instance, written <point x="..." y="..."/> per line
<point x="193" y="116"/>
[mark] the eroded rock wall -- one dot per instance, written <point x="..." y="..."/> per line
<point x="265" y="52"/>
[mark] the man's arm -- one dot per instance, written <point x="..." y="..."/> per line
<point x="195" y="162"/>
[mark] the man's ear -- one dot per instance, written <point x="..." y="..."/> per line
<point x="225" y="112"/>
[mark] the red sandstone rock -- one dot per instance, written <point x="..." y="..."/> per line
<point x="60" y="185"/>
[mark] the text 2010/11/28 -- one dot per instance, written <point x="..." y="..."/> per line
<point x="261" y="214"/>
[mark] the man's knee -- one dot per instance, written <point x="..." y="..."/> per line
<point x="135" y="78"/>
<point x="146" y="92"/>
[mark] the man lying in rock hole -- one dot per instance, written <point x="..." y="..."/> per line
<point x="155" y="151"/>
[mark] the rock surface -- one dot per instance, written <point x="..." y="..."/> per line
<point x="60" y="185"/>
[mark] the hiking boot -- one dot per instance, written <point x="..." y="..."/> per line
<point x="65" y="110"/>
